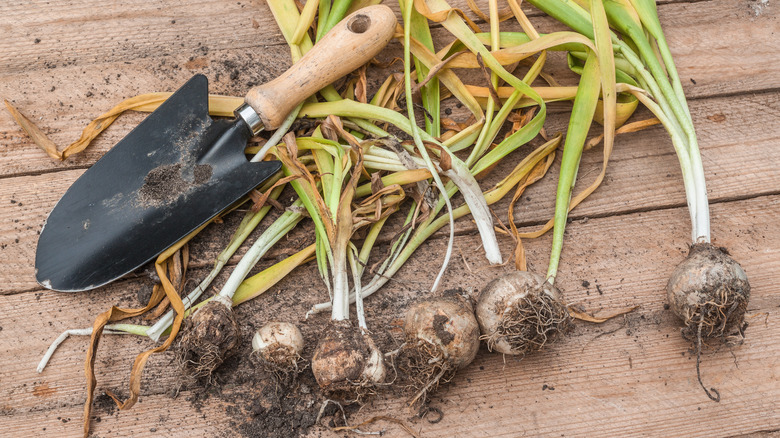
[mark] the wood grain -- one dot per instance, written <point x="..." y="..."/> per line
<point x="86" y="81"/>
<point x="63" y="63"/>
<point x="637" y="380"/>
<point x="643" y="175"/>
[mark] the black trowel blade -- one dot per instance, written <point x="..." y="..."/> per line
<point x="174" y="172"/>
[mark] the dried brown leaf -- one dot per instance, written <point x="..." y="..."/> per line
<point x="334" y="124"/>
<point x="582" y="315"/>
<point x="376" y="182"/>
<point x="259" y="199"/>
<point x="35" y="133"/>
<point x="218" y="106"/>
<point x="630" y="127"/>
<point x="439" y="16"/>
<point x="486" y="75"/>
<point x="289" y="158"/>
<point x="378" y="206"/>
<point x="502" y="15"/>
<point x="95" y="127"/>
<point x="164" y="289"/>
<point x="533" y="176"/>
<point x="361" y="93"/>
<point x="433" y="71"/>
<point x="177" y="268"/>
<point x="450" y="124"/>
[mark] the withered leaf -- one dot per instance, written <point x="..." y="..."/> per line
<point x="35" y="133"/>
<point x="582" y="315"/>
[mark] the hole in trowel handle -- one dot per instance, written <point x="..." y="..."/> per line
<point x="359" y="23"/>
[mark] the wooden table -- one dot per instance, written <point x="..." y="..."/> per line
<point x="62" y="63"/>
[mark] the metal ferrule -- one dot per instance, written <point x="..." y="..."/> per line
<point x="250" y="116"/>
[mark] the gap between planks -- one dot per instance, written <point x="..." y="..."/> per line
<point x="656" y="350"/>
<point x="637" y="182"/>
<point x="637" y="279"/>
<point x="757" y="92"/>
<point x="66" y="130"/>
<point x="199" y="265"/>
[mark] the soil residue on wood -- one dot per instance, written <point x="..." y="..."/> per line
<point x="259" y="403"/>
<point x="280" y="411"/>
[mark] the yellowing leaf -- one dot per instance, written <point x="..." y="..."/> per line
<point x="582" y="315"/>
<point x="36" y="135"/>
<point x="218" y="106"/>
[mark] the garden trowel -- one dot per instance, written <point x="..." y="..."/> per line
<point x="179" y="168"/>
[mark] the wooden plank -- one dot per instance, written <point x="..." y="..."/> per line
<point x="90" y="79"/>
<point x="636" y="380"/>
<point x="151" y="417"/>
<point x="629" y="376"/>
<point x="45" y="35"/>
<point x="704" y="55"/>
<point x="643" y="175"/>
<point x="604" y="394"/>
<point x="42" y="35"/>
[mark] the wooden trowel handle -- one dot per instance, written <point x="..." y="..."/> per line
<point x="351" y="43"/>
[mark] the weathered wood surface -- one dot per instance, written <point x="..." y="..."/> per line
<point x="46" y="78"/>
<point x="638" y="380"/>
<point x="644" y="176"/>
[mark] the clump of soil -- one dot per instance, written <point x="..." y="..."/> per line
<point x="260" y="403"/>
<point x="279" y="412"/>
<point x="163" y="184"/>
<point x="166" y="183"/>
<point x="202" y="173"/>
<point x="105" y="404"/>
<point x="210" y="336"/>
<point x="257" y="402"/>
